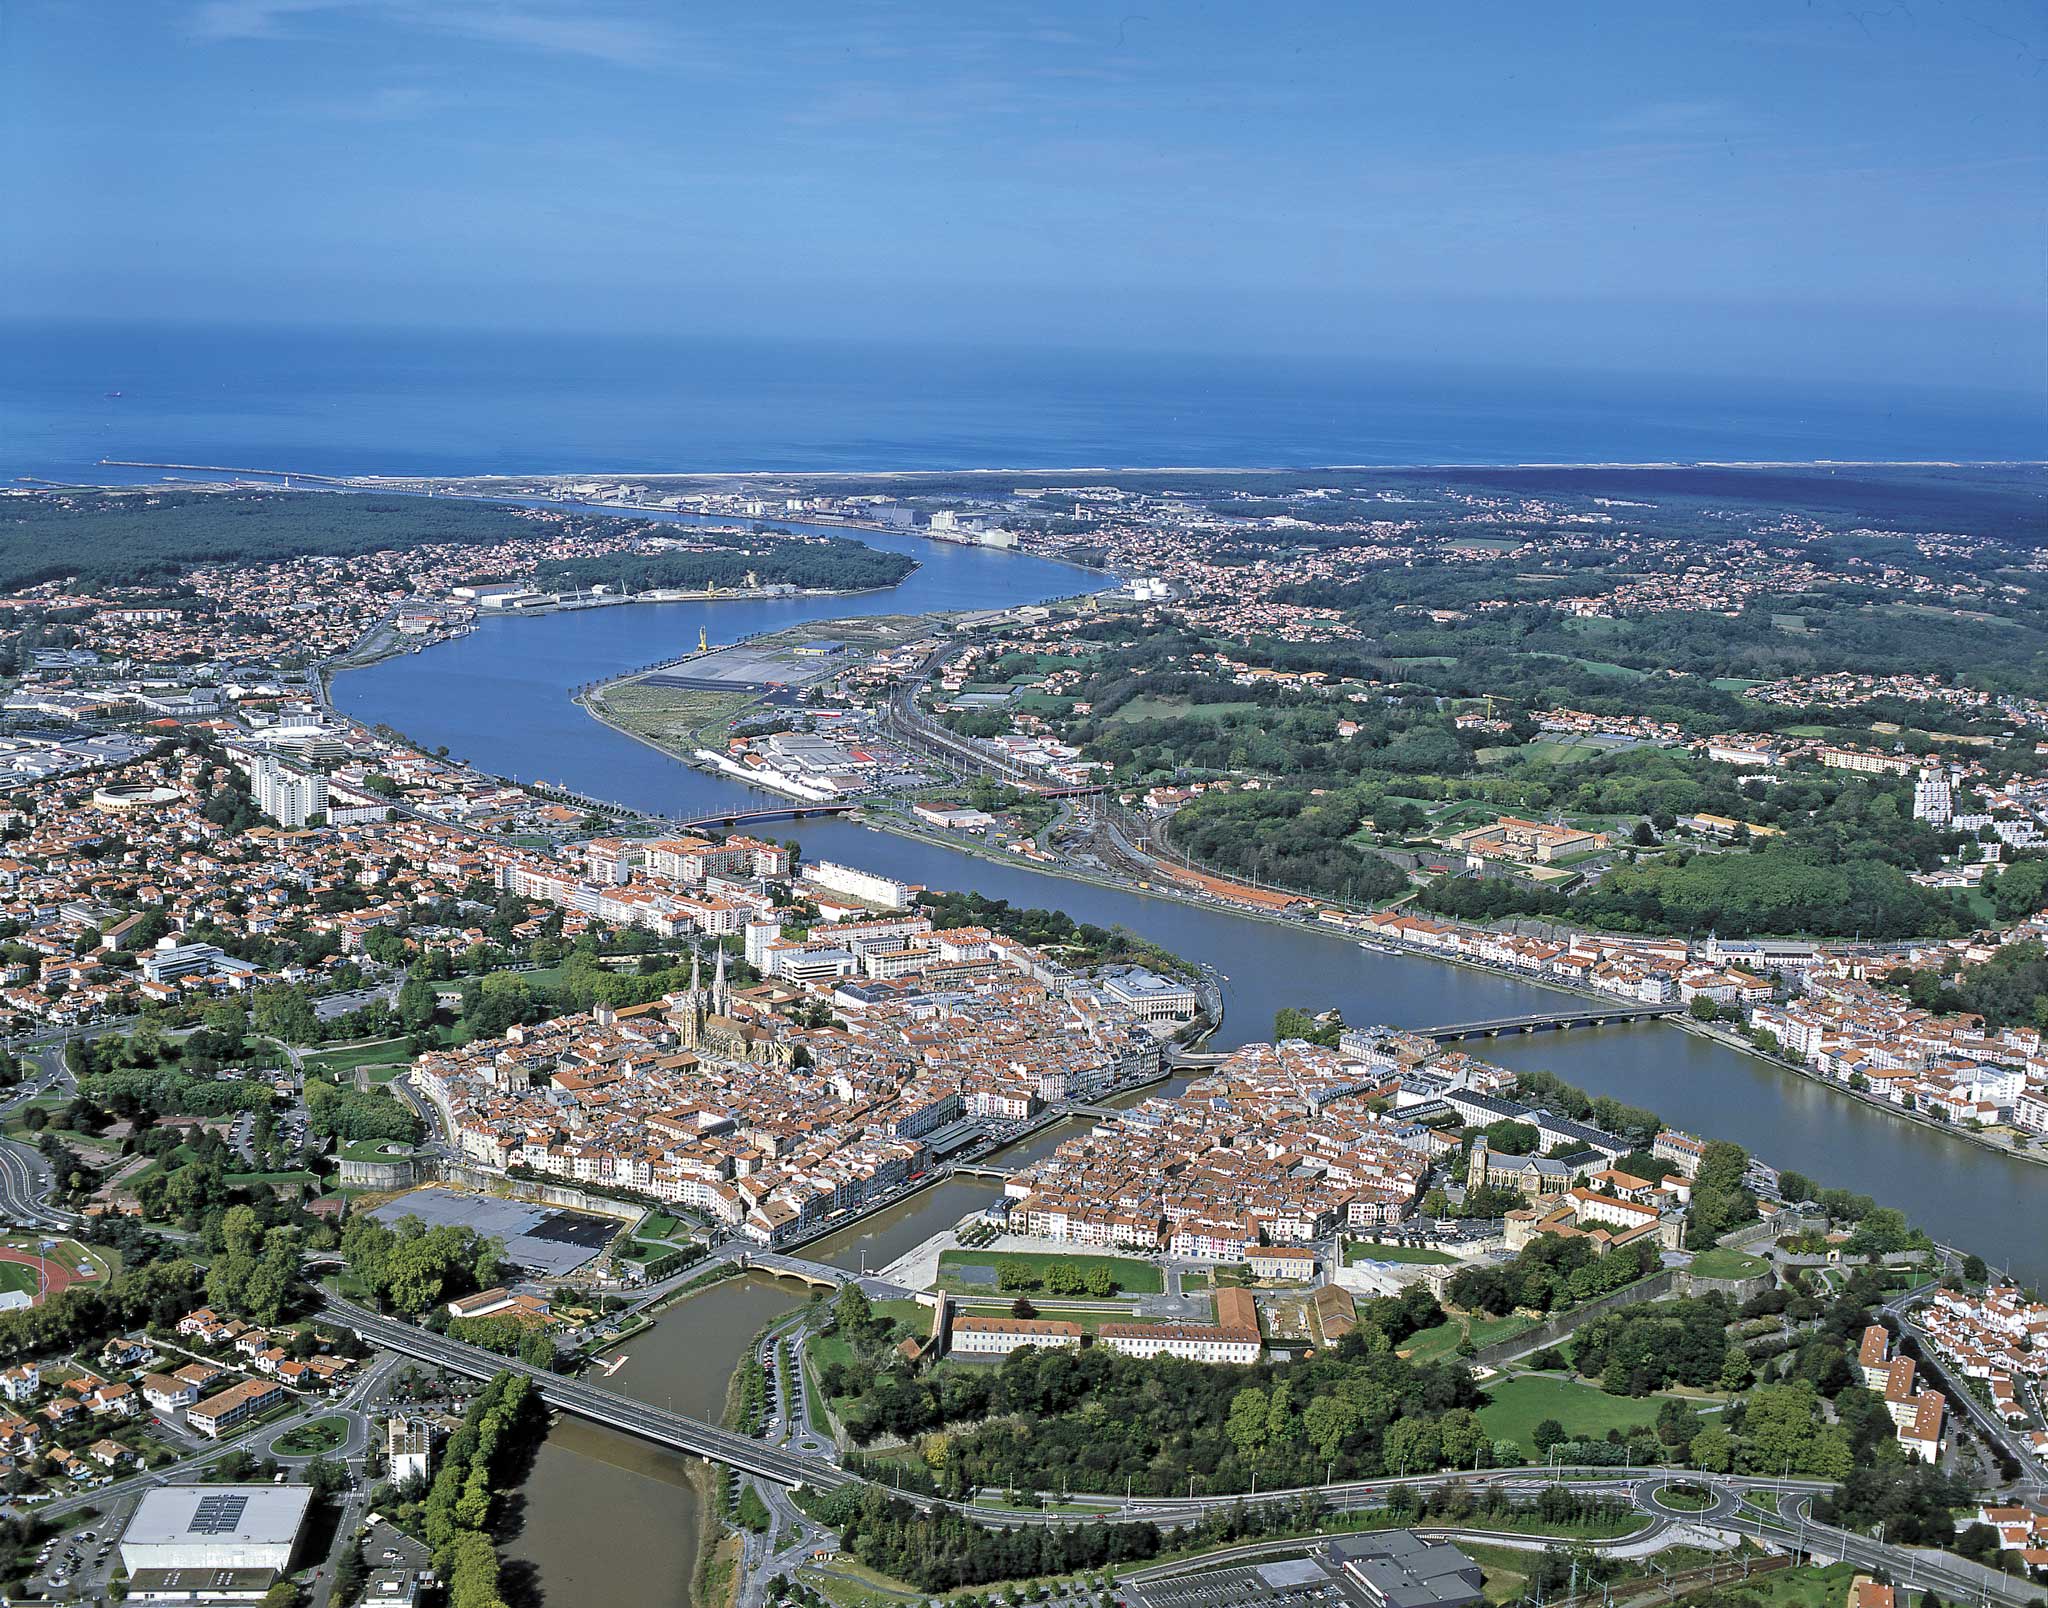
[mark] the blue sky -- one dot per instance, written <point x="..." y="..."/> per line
<point x="1772" y="189"/>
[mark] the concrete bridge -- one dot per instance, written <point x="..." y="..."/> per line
<point x="674" y="1430"/>
<point x="982" y="1169"/>
<point x="819" y="1275"/>
<point x="1548" y="1021"/>
<point x="1075" y="1108"/>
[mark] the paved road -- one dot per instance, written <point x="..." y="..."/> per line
<point x="1993" y="1428"/>
<point x="255" y="1441"/>
<point x="26" y="1185"/>
<point x="665" y="1428"/>
<point x="1795" y="1528"/>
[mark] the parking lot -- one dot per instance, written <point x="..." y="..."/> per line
<point x="1285" y="1583"/>
<point x="80" y="1564"/>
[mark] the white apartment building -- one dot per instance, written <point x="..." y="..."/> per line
<point x="1196" y="1342"/>
<point x="998" y="1337"/>
<point x="290" y="797"/>
<point x="868" y="886"/>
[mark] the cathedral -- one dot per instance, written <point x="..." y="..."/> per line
<point x="709" y="1027"/>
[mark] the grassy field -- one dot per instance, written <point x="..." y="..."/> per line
<point x="1132" y="1277"/>
<point x="384" y="1052"/>
<point x="68" y="1254"/>
<point x="373" y="1150"/>
<point x="308" y="1440"/>
<point x="671" y="714"/>
<point x="1725" y="1264"/>
<point x="1803" y="1588"/>
<point x="1173" y="708"/>
<point x="1088" y="1322"/>
<point x="17" y="1279"/>
<point x="1433" y="1345"/>
<point x="1419" y="1255"/>
<point x="1516" y="1406"/>
<point x="16" y="1122"/>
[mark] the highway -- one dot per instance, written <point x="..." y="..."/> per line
<point x="604" y="1407"/>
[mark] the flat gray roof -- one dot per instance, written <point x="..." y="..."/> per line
<point x="545" y="1239"/>
<point x="246" y="1515"/>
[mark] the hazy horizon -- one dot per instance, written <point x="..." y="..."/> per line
<point x="1740" y="191"/>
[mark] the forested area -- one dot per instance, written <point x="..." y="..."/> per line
<point x="1838" y="864"/>
<point x="485" y="1458"/>
<point x="1286" y="838"/>
<point x="150" y="538"/>
<point x="1096" y="1420"/>
<point x="838" y="563"/>
<point x="2008" y="990"/>
<point x="412" y="1269"/>
<point x="1551" y="1273"/>
<point x="1778" y="889"/>
<point x="160" y="1294"/>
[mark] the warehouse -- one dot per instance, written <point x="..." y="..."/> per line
<point x="216" y="1527"/>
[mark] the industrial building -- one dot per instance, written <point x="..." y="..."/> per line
<point x="183" y="1534"/>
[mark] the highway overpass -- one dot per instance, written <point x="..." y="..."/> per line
<point x="613" y="1411"/>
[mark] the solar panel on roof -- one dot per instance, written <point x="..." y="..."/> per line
<point x="218" y="1515"/>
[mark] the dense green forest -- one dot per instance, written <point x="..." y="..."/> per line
<point x="1840" y="866"/>
<point x="1288" y="839"/>
<point x="835" y="562"/>
<point x="150" y="538"/>
<point x="1096" y="1420"/>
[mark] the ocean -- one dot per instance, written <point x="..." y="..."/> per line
<point x="345" y="402"/>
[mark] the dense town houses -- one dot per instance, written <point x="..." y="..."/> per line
<point x="1998" y="1337"/>
<point x="1279" y="1145"/>
<point x="716" y="1098"/>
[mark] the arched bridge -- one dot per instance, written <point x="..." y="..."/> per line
<point x="1547" y="1021"/>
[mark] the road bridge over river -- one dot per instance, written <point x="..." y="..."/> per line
<point x="1641" y="1487"/>
<point x="673" y="1430"/>
<point x="1557" y="1021"/>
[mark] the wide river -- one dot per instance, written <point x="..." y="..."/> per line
<point x="500" y="699"/>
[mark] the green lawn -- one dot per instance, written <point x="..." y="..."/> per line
<point x="17" y="1119"/>
<point x="1516" y="1406"/>
<point x="308" y="1440"/>
<point x="383" y="1052"/>
<point x="658" y="1224"/>
<point x="17" y="1279"/>
<point x="1372" y="1251"/>
<point x="1088" y="1322"/>
<point x="1802" y="1588"/>
<point x="249" y="1180"/>
<point x="915" y="1314"/>
<point x="1719" y="1263"/>
<point x="374" y="1150"/>
<point x="1132" y="1277"/>
<point x="1433" y="1345"/>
